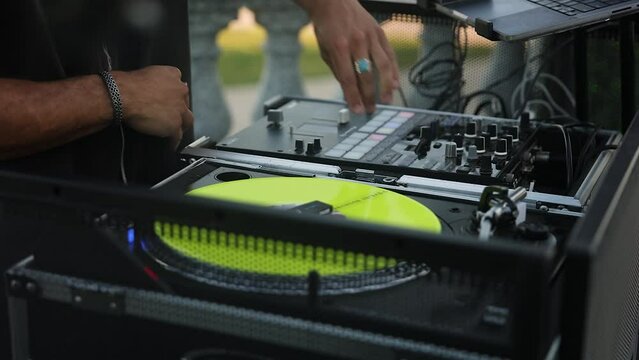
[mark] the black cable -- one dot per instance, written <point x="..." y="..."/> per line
<point x="544" y="61"/>
<point x="481" y="107"/>
<point x="567" y="152"/>
<point x="584" y="151"/>
<point x="446" y="223"/>
<point x="468" y="98"/>
<point x="441" y="80"/>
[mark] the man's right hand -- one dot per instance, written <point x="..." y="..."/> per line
<point x="155" y="101"/>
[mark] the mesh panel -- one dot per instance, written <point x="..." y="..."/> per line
<point x="257" y="264"/>
<point x="447" y="66"/>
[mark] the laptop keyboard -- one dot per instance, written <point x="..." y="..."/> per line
<point x="575" y="7"/>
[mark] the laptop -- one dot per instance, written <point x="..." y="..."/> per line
<point x="525" y="19"/>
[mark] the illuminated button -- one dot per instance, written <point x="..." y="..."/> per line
<point x="334" y="153"/>
<point x="350" y="141"/>
<point x="388" y="112"/>
<point x="368" y="128"/>
<point x="354" y="155"/>
<point x="377" y="137"/>
<point x="358" y="135"/>
<point x="342" y="147"/>
<point x="381" y="117"/>
<point x="406" y="114"/>
<point x="362" y="148"/>
<point x="399" y="119"/>
<point x="369" y="143"/>
<point x="392" y="125"/>
<point x="385" y="131"/>
<point x="376" y="123"/>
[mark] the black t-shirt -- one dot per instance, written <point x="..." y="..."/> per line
<point x="45" y="40"/>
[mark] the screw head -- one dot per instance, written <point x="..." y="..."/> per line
<point x="77" y="298"/>
<point x="15" y="284"/>
<point x="31" y="287"/>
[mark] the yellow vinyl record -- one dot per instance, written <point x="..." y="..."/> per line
<point x="354" y="201"/>
<point x="257" y="256"/>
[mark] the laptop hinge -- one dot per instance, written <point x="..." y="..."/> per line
<point x="485" y="29"/>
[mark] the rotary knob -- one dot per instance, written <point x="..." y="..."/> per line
<point x="459" y="141"/>
<point x="471" y="129"/>
<point x="502" y="147"/>
<point x="492" y="130"/>
<point x="485" y="165"/>
<point x="480" y="143"/>
<point x="509" y="143"/>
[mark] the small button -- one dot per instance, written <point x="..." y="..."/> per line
<point x="406" y="114"/>
<point x="377" y="137"/>
<point x="388" y="112"/>
<point x="362" y="148"/>
<point x="334" y="153"/>
<point x="358" y="135"/>
<point x="399" y="119"/>
<point x="368" y="129"/>
<point x="392" y="125"/>
<point x="342" y="147"/>
<point x="369" y="143"/>
<point x="353" y="155"/>
<point x="385" y="131"/>
<point x="350" y="141"/>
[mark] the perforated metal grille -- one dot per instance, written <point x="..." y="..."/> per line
<point x="256" y="264"/>
<point x="447" y="66"/>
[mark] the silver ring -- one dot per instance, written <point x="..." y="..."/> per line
<point x="362" y="66"/>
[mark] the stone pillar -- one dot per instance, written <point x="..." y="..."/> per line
<point x="281" y="72"/>
<point x="206" y="19"/>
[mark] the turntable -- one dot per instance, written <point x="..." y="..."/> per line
<point x="406" y="234"/>
<point x="485" y="179"/>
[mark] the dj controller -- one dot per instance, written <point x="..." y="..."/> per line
<point x="483" y="179"/>
<point x="399" y="139"/>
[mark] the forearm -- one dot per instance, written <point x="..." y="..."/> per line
<point x="36" y="116"/>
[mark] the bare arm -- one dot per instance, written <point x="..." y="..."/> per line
<point x="36" y="116"/>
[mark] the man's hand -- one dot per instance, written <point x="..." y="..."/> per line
<point x="156" y="101"/>
<point x="346" y="32"/>
<point x="36" y="116"/>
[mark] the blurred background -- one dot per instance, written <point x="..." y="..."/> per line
<point x="242" y="60"/>
<point x="245" y="52"/>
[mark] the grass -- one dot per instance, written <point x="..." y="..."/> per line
<point x="242" y="57"/>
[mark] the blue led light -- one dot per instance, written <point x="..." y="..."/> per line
<point x="131" y="236"/>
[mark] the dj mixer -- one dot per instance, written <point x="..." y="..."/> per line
<point x="420" y="140"/>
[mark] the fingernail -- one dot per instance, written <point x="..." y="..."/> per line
<point x="358" y="109"/>
<point x="396" y="84"/>
<point x="387" y="98"/>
